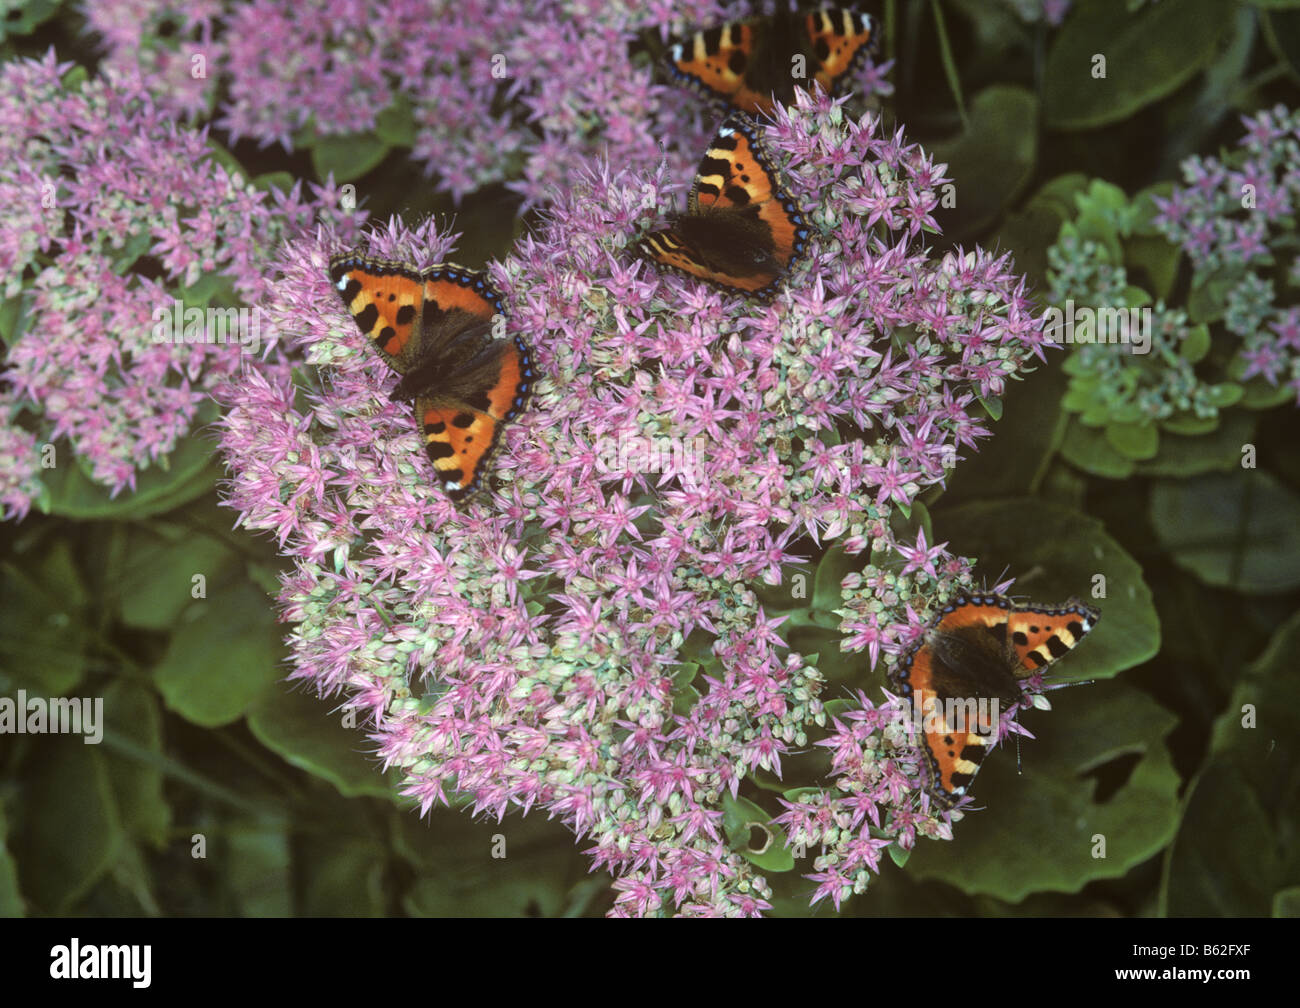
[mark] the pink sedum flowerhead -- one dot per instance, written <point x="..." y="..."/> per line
<point x="170" y="46"/>
<point x="1236" y="221"/>
<point x="589" y="636"/>
<point x="115" y="214"/>
<point x="483" y="92"/>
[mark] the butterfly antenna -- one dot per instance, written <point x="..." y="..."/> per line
<point x="1035" y="571"/>
<point x="1063" y="685"/>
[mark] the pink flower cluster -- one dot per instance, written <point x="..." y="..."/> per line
<point x="586" y="637"/>
<point x="113" y="214"/>
<point x="525" y="92"/>
<point x="1235" y="219"/>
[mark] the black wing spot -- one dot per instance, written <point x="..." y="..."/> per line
<point x="367" y="317"/>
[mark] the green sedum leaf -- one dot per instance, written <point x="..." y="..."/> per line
<point x="1053" y="809"/>
<point x="211" y="675"/>
<point x="349" y="157"/>
<point x="307" y="732"/>
<point x="1148" y="55"/>
<point x="1056" y="552"/>
<point x="742" y="821"/>
<point x="1246" y="863"/>
<point x="992" y="161"/>
<point x="72" y="832"/>
<point x="1091" y="451"/>
<point x="1138" y="441"/>
<point x="1238" y="529"/>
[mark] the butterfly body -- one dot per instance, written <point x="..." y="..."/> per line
<point x="746" y="63"/>
<point x="736" y="244"/>
<point x="435" y="329"/>
<point x="741" y="230"/>
<point x="968" y="666"/>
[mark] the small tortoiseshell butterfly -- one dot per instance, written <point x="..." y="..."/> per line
<point x="978" y="649"/>
<point x="740" y="230"/>
<point x="434" y="328"/>
<point x="745" y="62"/>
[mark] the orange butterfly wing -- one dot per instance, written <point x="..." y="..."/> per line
<point x="958" y="731"/>
<point x="737" y="172"/>
<point x="385" y="300"/>
<point x="715" y="61"/>
<point x="740" y="231"/>
<point x="747" y="63"/>
<point x="842" y="39"/>
<point x="432" y="328"/>
<point x="460" y="439"/>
